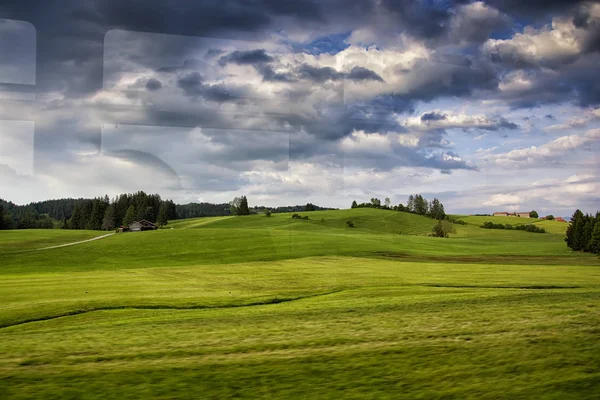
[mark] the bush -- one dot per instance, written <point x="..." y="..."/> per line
<point x="267" y="213"/>
<point x="298" y="216"/>
<point x="528" y="228"/>
<point x="350" y="224"/>
<point x="442" y="229"/>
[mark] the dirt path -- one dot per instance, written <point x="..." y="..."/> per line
<point x="74" y="243"/>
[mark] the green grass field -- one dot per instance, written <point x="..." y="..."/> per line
<point x="270" y="307"/>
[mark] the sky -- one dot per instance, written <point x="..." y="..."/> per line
<point x="487" y="105"/>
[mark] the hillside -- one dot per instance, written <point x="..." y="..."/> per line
<point x="237" y="239"/>
<point x="274" y="307"/>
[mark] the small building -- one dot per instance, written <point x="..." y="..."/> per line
<point x="143" y="225"/>
<point x="521" y="214"/>
<point x="508" y="214"/>
<point x="560" y="219"/>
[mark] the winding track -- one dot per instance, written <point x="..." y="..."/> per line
<point x="74" y="243"/>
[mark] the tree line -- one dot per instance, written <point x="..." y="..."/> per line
<point x="583" y="233"/>
<point x="416" y="204"/>
<point x="103" y="213"/>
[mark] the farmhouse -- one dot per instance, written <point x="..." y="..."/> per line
<point x="142" y="225"/>
<point x="507" y="214"/>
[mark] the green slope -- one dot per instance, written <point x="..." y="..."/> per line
<point x="260" y="238"/>
<point x="270" y="307"/>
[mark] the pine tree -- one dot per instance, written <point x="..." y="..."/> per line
<point x="97" y="214"/>
<point x="243" y="208"/>
<point x="129" y="216"/>
<point x="586" y="237"/>
<point x="108" y="222"/>
<point x="410" y="205"/>
<point x="574" y="231"/>
<point x="594" y="244"/>
<point x="2" y="217"/>
<point x="162" y="215"/>
<point x="354" y="204"/>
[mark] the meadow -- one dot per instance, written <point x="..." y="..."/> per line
<point x="271" y="307"/>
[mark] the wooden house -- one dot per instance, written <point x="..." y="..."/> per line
<point x="143" y="225"/>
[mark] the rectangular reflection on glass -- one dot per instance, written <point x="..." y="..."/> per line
<point x="209" y="160"/>
<point x="16" y="147"/>
<point x="17" y="60"/>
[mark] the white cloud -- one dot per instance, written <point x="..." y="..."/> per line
<point x="546" y="153"/>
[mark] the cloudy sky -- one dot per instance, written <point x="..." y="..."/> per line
<point x="489" y="106"/>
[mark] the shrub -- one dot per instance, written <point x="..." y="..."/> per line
<point x="267" y="213"/>
<point x="442" y="229"/>
<point x="350" y="224"/>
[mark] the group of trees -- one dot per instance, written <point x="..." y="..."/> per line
<point x="583" y="233"/>
<point x="239" y="206"/>
<point x="527" y="227"/>
<point x="13" y="216"/>
<point x="416" y="204"/>
<point x="104" y="214"/>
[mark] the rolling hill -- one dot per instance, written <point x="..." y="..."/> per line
<point x="275" y="307"/>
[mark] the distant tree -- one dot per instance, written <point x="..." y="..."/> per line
<point x="267" y="212"/>
<point x="401" y="207"/>
<point x="2" y="216"/>
<point x="234" y="205"/>
<point x="354" y="205"/>
<point x="97" y="214"/>
<point x="421" y="206"/>
<point x="129" y="216"/>
<point x="443" y="228"/>
<point x="548" y="217"/>
<point x="375" y="202"/>
<point x="309" y="207"/>
<point x="594" y="244"/>
<point x="588" y="229"/>
<point x="436" y="209"/>
<point x="243" y="208"/>
<point x="533" y="214"/>
<point x="388" y="202"/>
<point x="574" y="237"/>
<point x="162" y="219"/>
<point x="108" y="222"/>
<point x="410" y="205"/>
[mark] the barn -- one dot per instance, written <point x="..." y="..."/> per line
<point x="143" y="225"/>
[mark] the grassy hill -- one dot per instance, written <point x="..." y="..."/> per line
<point x="273" y="307"/>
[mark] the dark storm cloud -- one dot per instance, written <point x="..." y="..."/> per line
<point x="433" y="116"/>
<point x="577" y="82"/>
<point x="323" y="74"/>
<point x="505" y="124"/>
<point x="187" y="65"/>
<point x="191" y="84"/>
<point x="269" y="74"/>
<point x="250" y="57"/>
<point x="363" y="74"/>
<point x="153" y="84"/>
<point x="319" y="74"/>
<point x="534" y="8"/>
